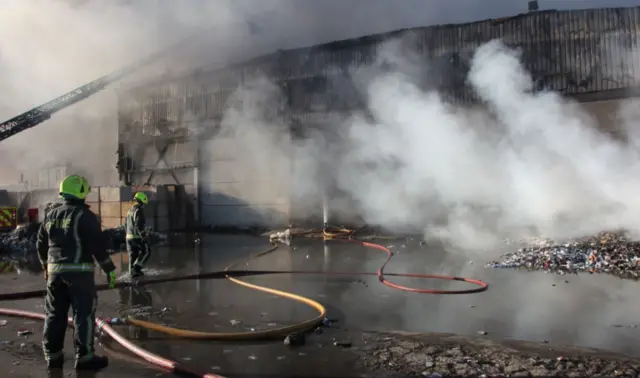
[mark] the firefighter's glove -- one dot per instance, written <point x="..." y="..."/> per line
<point x="111" y="277"/>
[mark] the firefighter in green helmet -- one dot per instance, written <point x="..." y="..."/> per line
<point x="68" y="240"/>
<point x="136" y="237"/>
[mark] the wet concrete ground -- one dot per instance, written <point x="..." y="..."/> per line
<point x="579" y="310"/>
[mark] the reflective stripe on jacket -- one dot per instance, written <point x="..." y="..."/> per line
<point x="70" y="238"/>
<point x="135" y="224"/>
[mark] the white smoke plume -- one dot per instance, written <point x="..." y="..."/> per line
<point x="523" y="163"/>
<point x="56" y="46"/>
<point x="532" y="162"/>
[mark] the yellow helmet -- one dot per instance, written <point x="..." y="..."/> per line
<point x="74" y="186"/>
<point x="141" y="197"/>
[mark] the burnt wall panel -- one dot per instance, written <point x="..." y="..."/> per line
<point x="573" y="52"/>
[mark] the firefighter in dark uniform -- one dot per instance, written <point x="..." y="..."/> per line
<point x="136" y="237"/>
<point x="68" y="240"/>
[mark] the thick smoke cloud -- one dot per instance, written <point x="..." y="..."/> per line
<point x="523" y="163"/>
<point x="528" y="162"/>
<point x="57" y="45"/>
<point x="532" y="162"/>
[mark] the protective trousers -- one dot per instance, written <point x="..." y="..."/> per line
<point x="138" y="253"/>
<point x="76" y="290"/>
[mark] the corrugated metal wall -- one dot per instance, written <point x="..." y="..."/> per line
<point x="572" y="52"/>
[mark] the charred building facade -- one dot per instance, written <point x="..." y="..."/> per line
<point x="163" y="123"/>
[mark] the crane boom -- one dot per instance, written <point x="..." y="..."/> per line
<point x="43" y="112"/>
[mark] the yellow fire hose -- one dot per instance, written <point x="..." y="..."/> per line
<point x="274" y="333"/>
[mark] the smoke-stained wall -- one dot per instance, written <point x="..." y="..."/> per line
<point x="576" y="53"/>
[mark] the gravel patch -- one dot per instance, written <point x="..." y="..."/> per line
<point x="414" y="355"/>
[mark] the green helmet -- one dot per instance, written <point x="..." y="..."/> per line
<point x="141" y="197"/>
<point x="74" y="186"/>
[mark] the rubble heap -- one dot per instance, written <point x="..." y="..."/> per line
<point x="608" y="252"/>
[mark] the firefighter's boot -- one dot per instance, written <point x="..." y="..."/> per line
<point x="137" y="271"/>
<point x="93" y="363"/>
<point x="55" y="363"/>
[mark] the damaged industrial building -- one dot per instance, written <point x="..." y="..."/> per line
<point x="165" y="124"/>
<point x="169" y="134"/>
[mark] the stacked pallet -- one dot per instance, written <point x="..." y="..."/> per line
<point x="168" y="209"/>
<point x="110" y="204"/>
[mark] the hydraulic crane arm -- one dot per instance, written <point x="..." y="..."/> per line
<point x="43" y="112"/>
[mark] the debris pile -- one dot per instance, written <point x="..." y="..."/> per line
<point x="608" y="252"/>
<point x="20" y="244"/>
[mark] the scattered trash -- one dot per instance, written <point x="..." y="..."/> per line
<point x="186" y="358"/>
<point x="23" y="345"/>
<point x="608" y="252"/>
<point x="235" y="322"/>
<point x="344" y="344"/>
<point x="483" y="333"/>
<point x="282" y="237"/>
<point x="24" y="332"/>
<point x="215" y="368"/>
<point x="252" y="357"/>
<point x="212" y="313"/>
<point x="294" y="339"/>
<point x="3" y="323"/>
<point x="318" y="330"/>
<point x="280" y="358"/>
<point x="272" y="324"/>
<point x="328" y="322"/>
<point x="165" y="309"/>
<point x="430" y="364"/>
